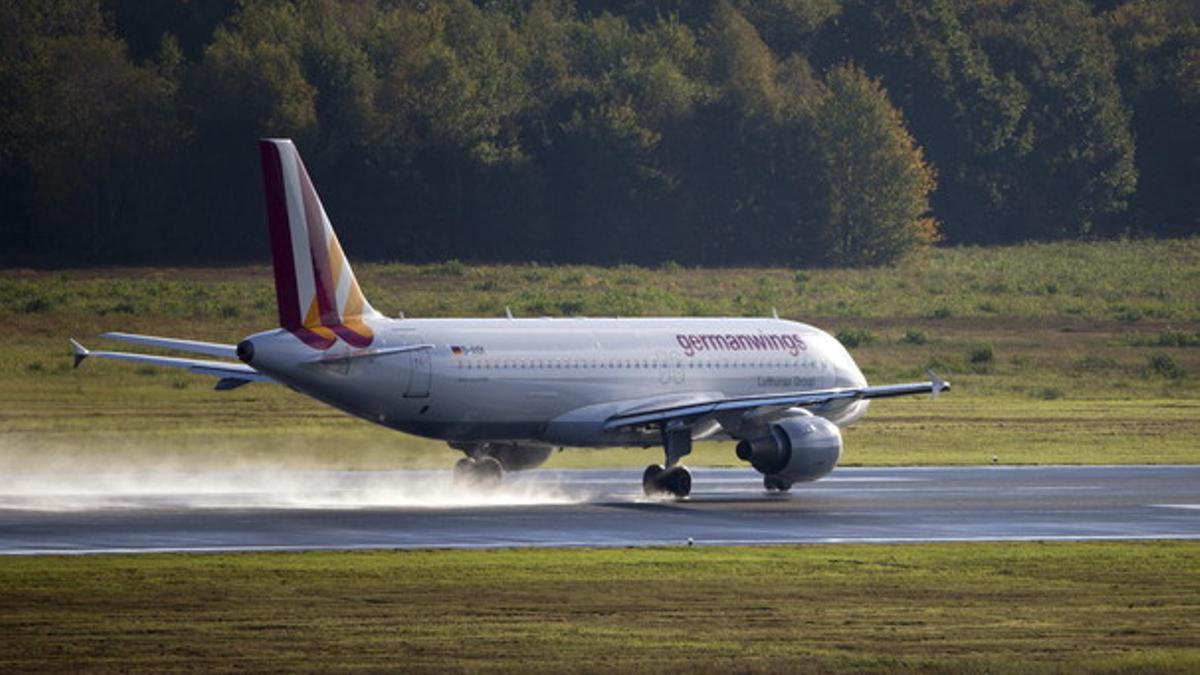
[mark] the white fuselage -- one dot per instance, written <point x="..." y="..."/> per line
<point x="555" y="381"/>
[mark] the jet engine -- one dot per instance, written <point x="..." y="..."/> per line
<point x="802" y="447"/>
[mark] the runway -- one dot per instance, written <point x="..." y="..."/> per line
<point x="236" y="511"/>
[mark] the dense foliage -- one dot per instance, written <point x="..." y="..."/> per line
<point x="719" y="132"/>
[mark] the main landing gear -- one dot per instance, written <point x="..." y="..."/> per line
<point x="671" y="477"/>
<point x="776" y="484"/>
<point x="478" y="472"/>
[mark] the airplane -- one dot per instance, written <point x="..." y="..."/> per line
<point x="507" y="391"/>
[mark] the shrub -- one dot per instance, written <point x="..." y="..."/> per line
<point x="1048" y="393"/>
<point x="122" y="307"/>
<point x="1128" y="314"/>
<point x="981" y="355"/>
<point x="36" y="305"/>
<point x="570" y="307"/>
<point x="1163" y="365"/>
<point x="914" y="337"/>
<point x="452" y="268"/>
<point x="855" y="337"/>
<point x="1092" y="363"/>
<point x="1178" y="338"/>
<point x="941" y="313"/>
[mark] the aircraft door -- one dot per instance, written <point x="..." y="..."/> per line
<point x="420" y="373"/>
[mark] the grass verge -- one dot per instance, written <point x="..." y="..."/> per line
<point x="1029" y="607"/>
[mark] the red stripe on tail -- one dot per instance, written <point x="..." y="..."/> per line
<point x="287" y="296"/>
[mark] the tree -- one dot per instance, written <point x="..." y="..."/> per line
<point x="1073" y="172"/>
<point x="1158" y="47"/>
<point x="87" y="133"/>
<point x="967" y="113"/>
<point x="250" y="84"/>
<point x="872" y="172"/>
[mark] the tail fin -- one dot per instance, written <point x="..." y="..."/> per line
<point x="319" y="298"/>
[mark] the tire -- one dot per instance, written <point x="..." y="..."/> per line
<point x="463" y="470"/>
<point x="650" y="476"/>
<point x="677" y="481"/>
<point x="488" y="472"/>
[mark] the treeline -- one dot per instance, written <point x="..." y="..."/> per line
<point x="722" y="132"/>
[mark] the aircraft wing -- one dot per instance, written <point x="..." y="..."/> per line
<point x="232" y="375"/>
<point x="769" y="403"/>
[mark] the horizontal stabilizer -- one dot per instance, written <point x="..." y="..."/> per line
<point x="221" y="369"/>
<point x="193" y="346"/>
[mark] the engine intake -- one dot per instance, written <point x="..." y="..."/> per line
<point x="799" y="448"/>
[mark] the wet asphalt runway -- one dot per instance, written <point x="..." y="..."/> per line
<point x="363" y="510"/>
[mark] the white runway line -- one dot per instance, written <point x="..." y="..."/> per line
<point x="1190" y="507"/>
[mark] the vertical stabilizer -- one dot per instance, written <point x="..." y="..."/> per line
<point x="319" y="298"/>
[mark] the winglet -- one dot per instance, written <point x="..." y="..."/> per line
<point x="79" y="351"/>
<point x="939" y="385"/>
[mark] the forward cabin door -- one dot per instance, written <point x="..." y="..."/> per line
<point x="419" y="372"/>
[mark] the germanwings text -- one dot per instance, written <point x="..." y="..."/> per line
<point x="691" y="343"/>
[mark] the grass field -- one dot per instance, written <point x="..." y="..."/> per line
<point x="1064" y="353"/>
<point x="1032" y="607"/>
<point x="1060" y="353"/>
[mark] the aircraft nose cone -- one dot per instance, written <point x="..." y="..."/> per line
<point x="245" y="351"/>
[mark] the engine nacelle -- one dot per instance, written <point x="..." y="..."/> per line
<point x="795" y="449"/>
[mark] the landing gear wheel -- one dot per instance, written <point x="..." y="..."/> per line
<point x="463" y="468"/>
<point x="776" y="484"/>
<point x="484" y="472"/>
<point x="675" y="481"/>
<point x="488" y="471"/>
<point x="650" y="479"/>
